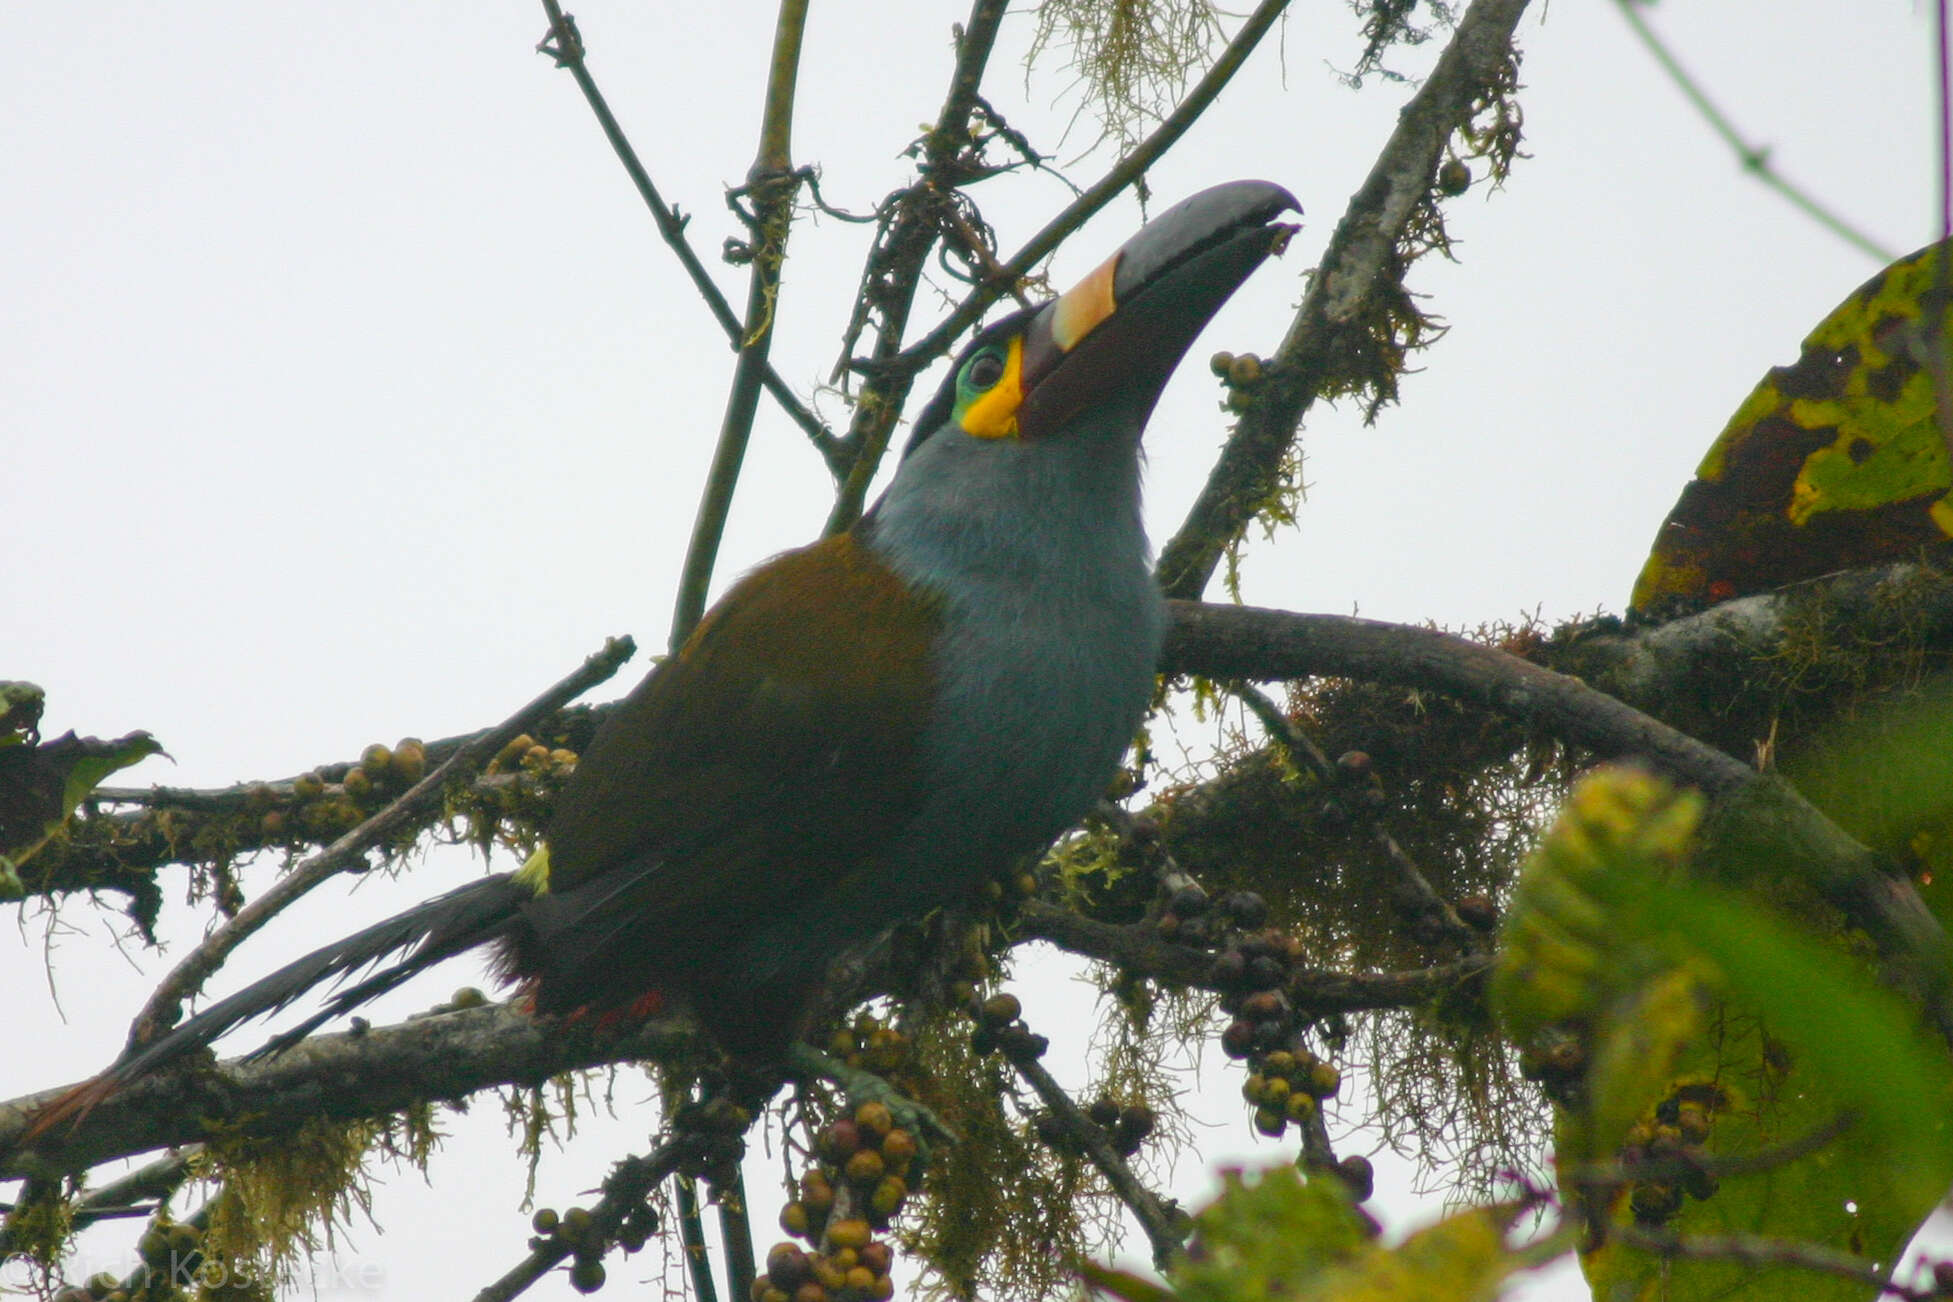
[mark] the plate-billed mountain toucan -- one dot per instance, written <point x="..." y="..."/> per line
<point x="861" y="730"/>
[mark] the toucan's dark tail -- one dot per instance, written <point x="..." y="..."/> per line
<point x="440" y="928"/>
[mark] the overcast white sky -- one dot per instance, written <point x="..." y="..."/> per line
<point x="346" y="391"/>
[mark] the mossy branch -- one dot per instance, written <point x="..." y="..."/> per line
<point x="347" y="1076"/>
<point x="1362" y="269"/>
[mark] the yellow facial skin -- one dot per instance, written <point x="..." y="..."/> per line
<point x="992" y="413"/>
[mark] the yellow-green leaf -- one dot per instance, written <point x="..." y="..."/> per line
<point x="1835" y="461"/>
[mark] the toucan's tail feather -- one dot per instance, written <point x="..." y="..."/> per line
<point x="437" y="929"/>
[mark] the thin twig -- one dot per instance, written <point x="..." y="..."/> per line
<point x="1422" y="901"/>
<point x="1146" y="1207"/>
<point x="565" y="44"/>
<point x="736" y="1238"/>
<point x="1108" y="187"/>
<point x="629" y="1183"/>
<point x="1139" y="949"/>
<point x="691" y="1238"/>
<point x="165" y="1005"/>
<point x="1612" y="1175"/>
<point x="1359" y="265"/>
<point x="894" y="268"/>
<point x="772" y="184"/>
<point x="1754" y="158"/>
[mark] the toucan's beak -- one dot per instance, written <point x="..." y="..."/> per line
<point x="1121" y="331"/>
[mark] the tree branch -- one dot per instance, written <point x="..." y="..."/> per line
<point x="1759" y="1250"/>
<point x="1761" y="814"/>
<point x="629" y="1183"/>
<point x="894" y="270"/>
<point x="1152" y="1214"/>
<point x="565" y="44"/>
<point x="1139" y="949"/>
<point x="165" y="1006"/>
<point x="348" y="1076"/>
<point x="771" y="185"/>
<point x="1357" y="270"/>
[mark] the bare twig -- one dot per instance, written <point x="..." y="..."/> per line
<point x="691" y="1234"/>
<point x="629" y="1183"/>
<point x="1108" y="187"/>
<point x="1153" y="1216"/>
<point x="736" y="1237"/>
<point x="1357" y="268"/>
<point x="1754" y="158"/>
<point x="771" y="183"/>
<point x="565" y="44"/>
<point x="895" y="373"/>
<point x="165" y="1005"/>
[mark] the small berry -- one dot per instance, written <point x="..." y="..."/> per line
<point x="1001" y="1010"/>
<point x="865" y="1167"/>
<point x="840" y="1141"/>
<point x="1359" y="1175"/>
<point x="875" y="1121"/>
<point x="787" y="1266"/>
<point x="1245" y="371"/>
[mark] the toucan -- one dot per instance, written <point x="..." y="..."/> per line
<point x="861" y="730"/>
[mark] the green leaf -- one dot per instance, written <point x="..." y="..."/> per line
<point x="1270" y="1234"/>
<point x="1276" y="1234"/>
<point x="1716" y="1028"/>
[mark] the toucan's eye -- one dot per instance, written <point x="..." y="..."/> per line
<point x="984" y="370"/>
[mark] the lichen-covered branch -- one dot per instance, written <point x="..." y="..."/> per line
<point x="1345" y="334"/>
<point x="1704" y="675"/>
<point x="355" y="1074"/>
<point x="1760" y="813"/>
<point x="1138" y="949"/>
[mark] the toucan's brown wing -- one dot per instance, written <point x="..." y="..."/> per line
<point x="773" y="754"/>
